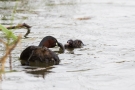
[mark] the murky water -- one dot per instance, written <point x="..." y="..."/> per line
<point x="106" y="27"/>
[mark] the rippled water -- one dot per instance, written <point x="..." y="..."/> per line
<point x="106" y="62"/>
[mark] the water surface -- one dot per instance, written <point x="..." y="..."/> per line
<point x="106" y="62"/>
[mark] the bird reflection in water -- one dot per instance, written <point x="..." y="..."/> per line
<point x="38" y="71"/>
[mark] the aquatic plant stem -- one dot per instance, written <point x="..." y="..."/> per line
<point x="8" y="51"/>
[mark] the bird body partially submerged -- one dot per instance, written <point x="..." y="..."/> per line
<point x="74" y="44"/>
<point x="40" y="54"/>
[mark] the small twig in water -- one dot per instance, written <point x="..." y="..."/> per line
<point x="24" y="25"/>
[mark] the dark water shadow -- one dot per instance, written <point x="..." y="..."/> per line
<point x="38" y="71"/>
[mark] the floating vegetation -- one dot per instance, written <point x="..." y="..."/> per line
<point x="6" y="30"/>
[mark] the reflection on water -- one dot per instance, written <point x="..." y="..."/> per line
<point x="37" y="71"/>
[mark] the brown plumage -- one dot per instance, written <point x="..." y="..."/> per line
<point x="40" y="54"/>
<point x="51" y="42"/>
<point x="74" y="44"/>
